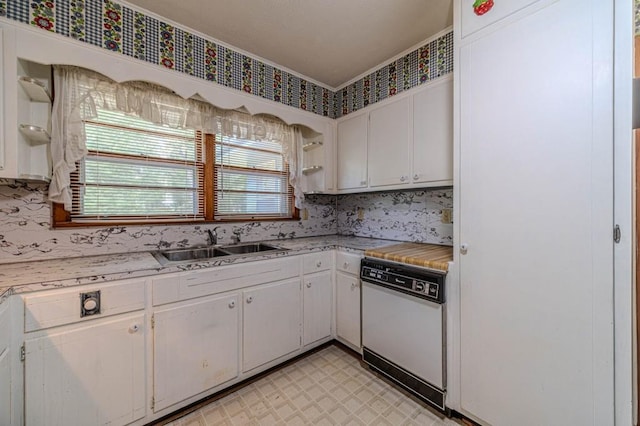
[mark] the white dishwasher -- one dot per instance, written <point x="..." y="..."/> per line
<point x="403" y="326"/>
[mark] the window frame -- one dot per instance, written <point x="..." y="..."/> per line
<point x="61" y="218"/>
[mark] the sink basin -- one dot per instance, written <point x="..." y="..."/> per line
<point x="249" y="248"/>
<point x="195" y="253"/>
<point x="192" y="254"/>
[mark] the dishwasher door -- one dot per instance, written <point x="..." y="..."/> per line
<point x="406" y="330"/>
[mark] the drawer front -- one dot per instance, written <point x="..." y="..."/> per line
<point x="55" y="308"/>
<point x="348" y="262"/>
<point x="316" y="262"/>
<point x="219" y="279"/>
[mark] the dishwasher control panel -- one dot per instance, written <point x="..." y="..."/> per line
<point x="421" y="283"/>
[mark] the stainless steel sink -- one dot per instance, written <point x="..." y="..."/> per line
<point x="192" y="254"/>
<point x="196" y="253"/>
<point x="248" y="248"/>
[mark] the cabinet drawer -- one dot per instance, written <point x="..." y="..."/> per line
<point x="348" y="262"/>
<point x="316" y="262"/>
<point x="222" y="278"/>
<point x="52" y="309"/>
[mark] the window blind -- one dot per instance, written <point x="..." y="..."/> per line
<point x="251" y="180"/>
<point x="137" y="170"/>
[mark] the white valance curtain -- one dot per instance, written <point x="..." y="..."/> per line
<point x="81" y="92"/>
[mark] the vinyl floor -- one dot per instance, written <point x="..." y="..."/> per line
<point x="328" y="387"/>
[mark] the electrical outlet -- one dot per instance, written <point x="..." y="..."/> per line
<point x="304" y="214"/>
<point x="360" y="214"/>
<point x="447" y="216"/>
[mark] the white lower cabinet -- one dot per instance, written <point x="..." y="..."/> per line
<point x="316" y="294"/>
<point x="5" y="364"/>
<point x="195" y="348"/>
<point x="88" y="374"/>
<point x="5" y="388"/>
<point x="272" y="317"/>
<point x="348" y="309"/>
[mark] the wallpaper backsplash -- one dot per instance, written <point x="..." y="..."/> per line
<point x="25" y="232"/>
<point x="118" y="28"/>
<point x="401" y="215"/>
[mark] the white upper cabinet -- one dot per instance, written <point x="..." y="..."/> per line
<point x="406" y="141"/>
<point x="389" y="144"/>
<point x="433" y="133"/>
<point x="472" y="22"/>
<point x="352" y="152"/>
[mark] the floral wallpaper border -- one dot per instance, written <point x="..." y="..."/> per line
<point x="118" y="28"/>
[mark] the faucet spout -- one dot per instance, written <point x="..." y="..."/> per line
<point x="213" y="236"/>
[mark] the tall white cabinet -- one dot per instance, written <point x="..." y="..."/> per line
<point x="534" y="142"/>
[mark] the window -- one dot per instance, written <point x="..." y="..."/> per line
<point x="137" y="170"/>
<point x="137" y="153"/>
<point x="251" y="180"/>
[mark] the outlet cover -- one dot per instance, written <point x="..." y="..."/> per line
<point x="304" y="214"/>
<point x="447" y="216"/>
<point x="360" y="214"/>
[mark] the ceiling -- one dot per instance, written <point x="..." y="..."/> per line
<point x="330" y="41"/>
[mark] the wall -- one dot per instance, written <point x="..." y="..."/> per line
<point x="118" y="28"/>
<point x="25" y="232"/>
<point x="401" y="215"/>
<point x="25" y="218"/>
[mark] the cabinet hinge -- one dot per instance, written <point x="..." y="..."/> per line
<point x="153" y="402"/>
<point x="616" y="234"/>
<point x="153" y="322"/>
<point x="23" y="353"/>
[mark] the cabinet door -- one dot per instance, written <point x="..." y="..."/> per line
<point x="5" y="388"/>
<point x="5" y="371"/>
<point x="352" y="152"/>
<point x="92" y="374"/>
<point x="317" y="307"/>
<point x="433" y="133"/>
<point x="272" y="322"/>
<point x="389" y="144"/>
<point x="348" y="308"/>
<point x="501" y="9"/>
<point x="536" y="284"/>
<point x="195" y="348"/>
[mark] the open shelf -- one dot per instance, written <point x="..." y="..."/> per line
<point x="311" y="169"/>
<point x="35" y="89"/>
<point x="310" y="145"/>
<point x="34" y="134"/>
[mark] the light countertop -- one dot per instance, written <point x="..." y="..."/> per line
<point x="31" y="276"/>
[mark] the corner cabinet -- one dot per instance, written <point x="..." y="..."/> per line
<point x="402" y="142"/>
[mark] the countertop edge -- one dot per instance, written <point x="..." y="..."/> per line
<point x="295" y="247"/>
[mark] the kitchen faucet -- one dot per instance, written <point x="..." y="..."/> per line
<point x="236" y="236"/>
<point x="213" y="236"/>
